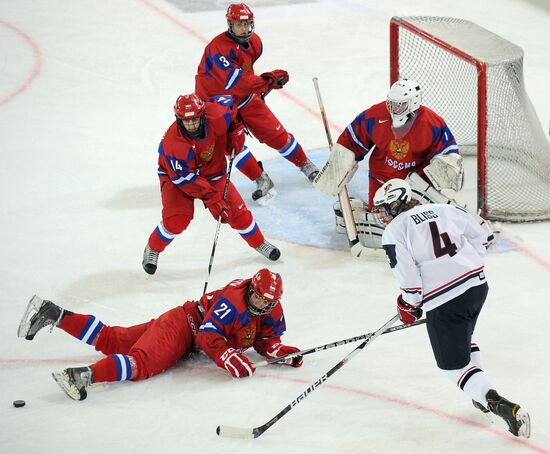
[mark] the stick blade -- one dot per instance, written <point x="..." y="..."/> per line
<point x="235" y="432"/>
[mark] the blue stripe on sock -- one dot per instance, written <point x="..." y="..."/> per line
<point x="96" y="331"/>
<point x="89" y="323"/>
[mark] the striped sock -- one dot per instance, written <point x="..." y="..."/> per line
<point x="83" y="327"/>
<point x="114" y="368"/>
<point x="472" y="380"/>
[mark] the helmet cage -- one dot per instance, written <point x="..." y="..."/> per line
<point x="239" y="13"/>
<point x="267" y="287"/>
<point x="403" y="100"/>
<point x="190" y="107"/>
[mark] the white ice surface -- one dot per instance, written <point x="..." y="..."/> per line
<point x="86" y="89"/>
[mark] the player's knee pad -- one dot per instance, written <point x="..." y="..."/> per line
<point x="176" y="223"/>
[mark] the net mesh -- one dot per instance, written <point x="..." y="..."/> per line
<point x="517" y="154"/>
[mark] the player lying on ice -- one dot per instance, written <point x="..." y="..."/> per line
<point x="402" y="139"/>
<point x="436" y="252"/>
<point x="223" y="324"/>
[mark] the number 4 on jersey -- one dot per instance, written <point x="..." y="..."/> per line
<point x="441" y="242"/>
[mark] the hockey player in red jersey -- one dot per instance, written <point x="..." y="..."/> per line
<point x="436" y="252"/>
<point x="192" y="165"/>
<point x="402" y="139"/>
<point x="227" y="67"/>
<point x="223" y="324"/>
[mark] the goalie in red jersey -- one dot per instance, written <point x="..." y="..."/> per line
<point x="402" y="139"/>
<point x="192" y="165"/>
<point x="223" y="324"/>
<point x="227" y="67"/>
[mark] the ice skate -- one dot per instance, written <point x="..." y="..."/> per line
<point x="39" y="314"/>
<point x="74" y="381"/>
<point x="150" y="260"/>
<point x="269" y="251"/>
<point x="310" y="170"/>
<point x="480" y="407"/>
<point x="517" y="419"/>
<point x="265" y="188"/>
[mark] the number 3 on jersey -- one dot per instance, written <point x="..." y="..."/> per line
<point x="441" y="242"/>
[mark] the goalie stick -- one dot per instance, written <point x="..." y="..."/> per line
<point x="242" y="432"/>
<point x="225" y="189"/>
<point x="343" y="196"/>
<point x="308" y="351"/>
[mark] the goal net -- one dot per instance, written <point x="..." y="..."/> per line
<point x="473" y="78"/>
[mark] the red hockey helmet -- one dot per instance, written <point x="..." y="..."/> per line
<point x="266" y="289"/>
<point x="189" y="106"/>
<point x="239" y="12"/>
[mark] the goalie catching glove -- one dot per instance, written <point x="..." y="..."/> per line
<point x="277" y="350"/>
<point x="338" y="170"/>
<point x="235" y="363"/>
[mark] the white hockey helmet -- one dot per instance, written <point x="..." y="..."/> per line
<point x="404" y="99"/>
<point x="390" y="198"/>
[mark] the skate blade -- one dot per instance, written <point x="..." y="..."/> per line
<point x="267" y="198"/>
<point x="62" y="379"/>
<point x="32" y="307"/>
<point x="524" y="423"/>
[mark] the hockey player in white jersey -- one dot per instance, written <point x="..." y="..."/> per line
<point x="436" y="252"/>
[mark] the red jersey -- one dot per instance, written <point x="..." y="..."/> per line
<point x="397" y="157"/>
<point x="226" y="67"/>
<point x="192" y="164"/>
<point x="227" y="322"/>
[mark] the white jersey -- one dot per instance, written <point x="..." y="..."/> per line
<point x="436" y="253"/>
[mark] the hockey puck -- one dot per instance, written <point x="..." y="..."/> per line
<point x="18" y="403"/>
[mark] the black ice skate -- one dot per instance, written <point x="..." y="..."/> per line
<point x="265" y="188"/>
<point x="74" y="381"/>
<point x="150" y="260"/>
<point x="269" y="251"/>
<point x="39" y="314"/>
<point x="517" y="419"/>
<point x="310" y="170"/>
<point x="480" y="407"/>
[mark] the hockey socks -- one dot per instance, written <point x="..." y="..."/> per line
<point x="84" y="327"/>
<point x="114" y="368"/>
<point x="472" y="380"/>
<point x="247" y="164"/>
<point x="252" y="235"/>
<point x="160" y="238"/>
<point x="294" y="152"/>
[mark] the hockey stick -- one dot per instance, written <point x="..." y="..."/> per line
<point x="242" y="432"/>
<point x="225" y="190"/>
<point x="308" y="351"/>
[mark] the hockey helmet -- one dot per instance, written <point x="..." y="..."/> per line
<point x="265" y="291"/>
<point x="390" y="199"/>
<point x="404" y="99"/>
<point x="236" y="13"/>
<point x="189" y="108"/>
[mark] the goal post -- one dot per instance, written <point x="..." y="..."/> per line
<point x="473" y="78"/>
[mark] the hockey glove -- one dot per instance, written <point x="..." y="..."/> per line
<point x="217" y="206"/>
<point x="277" y="350"/>
<point x="235" y="363"/>
<point x="276" y="78"/>
<point x="236" y="137"/>
<point x="407" y="312"/>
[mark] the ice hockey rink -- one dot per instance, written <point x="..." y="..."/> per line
<point x="86" y="92"/>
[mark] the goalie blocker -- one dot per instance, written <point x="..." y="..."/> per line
<point x="370" y="229"/>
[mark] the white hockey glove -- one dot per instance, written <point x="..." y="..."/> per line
<point x="338" y="170"/>
<point x="446" y="171"/>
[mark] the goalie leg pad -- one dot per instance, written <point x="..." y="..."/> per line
<point x="338" y="170"/>
<point x="369" y="229"/>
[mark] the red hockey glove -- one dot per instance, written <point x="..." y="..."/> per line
<point x="217" y="206"/>
<point x="236" y="137"/>
<point x="276" y="78"/>
<point x="277" y="350"/>
<point x="408" y="313"/>
<point x="235" y="363"/>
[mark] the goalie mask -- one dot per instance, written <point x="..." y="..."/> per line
<point x="391" y="199"/>
<point x="240" y="22"/>
<point x="264" y="292"/>
<point x="404" y="99"/>
<point x="190" y="111"/>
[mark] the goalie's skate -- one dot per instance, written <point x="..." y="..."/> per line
<point x="39" y="314"/>
<point x="518" y="420"/>
<point x="269" y="251"/>
<point x="74" y="381"/>
<point x="310" y="170"/>
<point x="150" y="260"/>
<point x="265" y="189"/>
